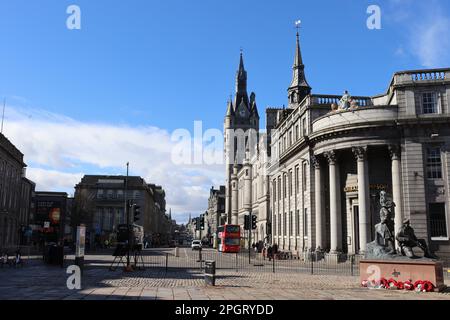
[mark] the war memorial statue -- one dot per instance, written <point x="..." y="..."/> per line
<point x="401" y="264"/>
<point x="408" y="240"/>
<point x="384" y="245"/>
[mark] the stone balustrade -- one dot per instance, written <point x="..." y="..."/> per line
<point x="421" y="76"/>
<point x="330" y="99"/>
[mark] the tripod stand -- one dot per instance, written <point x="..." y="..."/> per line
<point x="138" y="258"/>
<point x="119" y="257"/>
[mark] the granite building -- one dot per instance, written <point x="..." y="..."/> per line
<point x="100" y="201"/>
<point x="215" y="215"/>
<point x="331" y="155"/>
<point x="15" y="195"/>
<point x="246" y="153"/>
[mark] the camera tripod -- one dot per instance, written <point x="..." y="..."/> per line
<point x="119" y="257"/>
<point x="138" y="258"/>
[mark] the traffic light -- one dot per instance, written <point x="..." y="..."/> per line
<point x="137" y="212"/>
<point x="197" y="224"/>
<point x="247" y="222"/>
<point x="202" y="222"/>
<point x="254" y="222"/>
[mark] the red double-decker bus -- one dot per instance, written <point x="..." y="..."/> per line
<point x="229" y="238"/>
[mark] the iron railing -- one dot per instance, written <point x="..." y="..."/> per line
<point x="438" y="228"/>
<point x="311" y="263"/>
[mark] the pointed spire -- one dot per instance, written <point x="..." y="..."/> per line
<point x="298" y="62"/>
<point x="241" y="71"/>
<point x="230" y="109"/>
<point x="299" y="87"/>
<point x="253" y="106"/>
<point x="298" y="77"/>
<point x="241" y="83"/>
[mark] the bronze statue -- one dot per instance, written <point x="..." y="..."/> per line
<point x="408" y="240"/>
<point x="384" y="236"/>
<point x="384" y="244"/>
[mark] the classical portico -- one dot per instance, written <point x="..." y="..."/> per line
<point x="352" y="203"/>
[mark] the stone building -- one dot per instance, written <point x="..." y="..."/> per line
<point x="215" y="215"/>
<point x="331" y="155"/>
<point x="102" y="198"/>
<point x="246" y="153"/>
<point x="26" y="208"/>
<point x="15" y="194"/>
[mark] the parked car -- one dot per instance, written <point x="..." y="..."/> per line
<point x="196" y="245"/>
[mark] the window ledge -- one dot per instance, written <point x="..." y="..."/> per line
<point x="440" y="239"/>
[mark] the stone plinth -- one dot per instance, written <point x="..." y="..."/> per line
<point x="404" y="270"/>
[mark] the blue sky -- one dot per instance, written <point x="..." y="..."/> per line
<point x="139" y="64"/>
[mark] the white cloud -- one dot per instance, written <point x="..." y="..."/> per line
<point x="426" y="26"/>
<point x="431" y="41"/>
<point x="60" y="150"/>
<point x="51" y="180"/>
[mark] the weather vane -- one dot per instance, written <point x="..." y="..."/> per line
<point x="298" y="24"/>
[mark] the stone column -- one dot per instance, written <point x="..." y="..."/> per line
<point x="335" y="209"/>
<point x="234" y="197"/>
<point x="395" y="152"/>
<point x="318" y="203"/>
<point x="363" y="197"/>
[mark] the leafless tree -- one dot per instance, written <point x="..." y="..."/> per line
<point x="83" y="210"/>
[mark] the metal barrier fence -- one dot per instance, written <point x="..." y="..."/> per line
<point x="312" y="263"/>
<point x="25" y="251"/>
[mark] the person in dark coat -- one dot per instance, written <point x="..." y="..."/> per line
<point x="270" y="253"/>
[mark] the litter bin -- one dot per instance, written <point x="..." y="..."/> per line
<point x="54" y="255"/>
<point x="210" y="273"/>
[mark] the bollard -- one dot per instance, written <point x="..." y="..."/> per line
<point x="167" y="262"/>
<point x="352" y="263"/>
<point x="177" y="252"/>
<point x="210" y="273"/>
<point x="273" y="263"/>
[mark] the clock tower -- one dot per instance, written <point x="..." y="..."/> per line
<point x="241" y="128"/>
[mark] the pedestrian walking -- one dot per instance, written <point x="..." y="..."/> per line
<point x="270" y="253"/>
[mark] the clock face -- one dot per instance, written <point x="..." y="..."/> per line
<point x="242" y="113"/>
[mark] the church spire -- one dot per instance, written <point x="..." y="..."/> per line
<point x="298" y="62"/>
<point x="241" y="83"/>
<point x="230" y="108"/>
<point x="299" y="87"/>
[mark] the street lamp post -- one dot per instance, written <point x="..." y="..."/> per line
<point x="249" y="237"/>
<point x="127" y="213"/>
